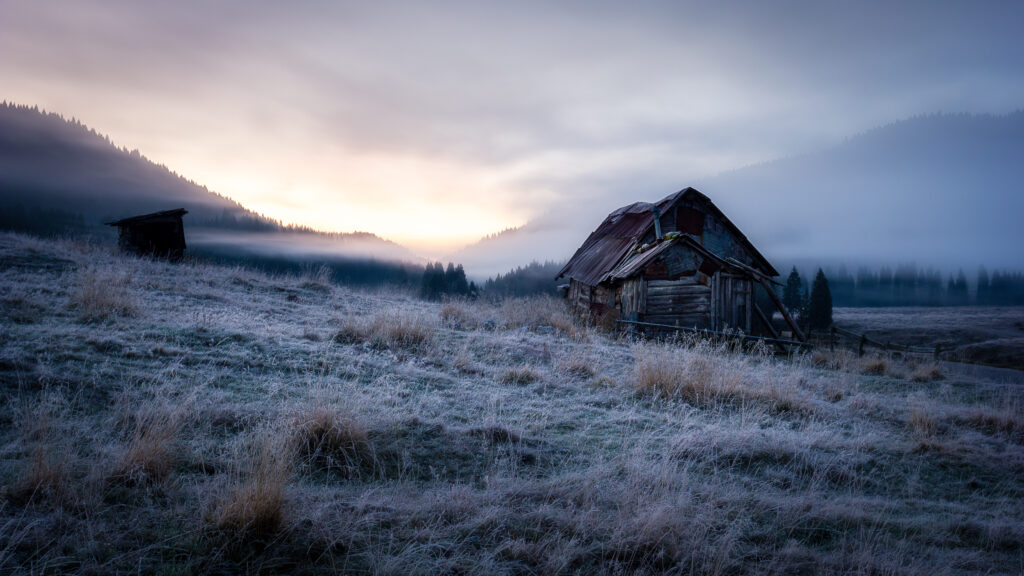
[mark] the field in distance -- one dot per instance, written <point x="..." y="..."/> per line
<point x="991" y="335"/>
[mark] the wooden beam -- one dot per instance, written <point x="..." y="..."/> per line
<point x="752" y="270"/>
<point x="766" y="321"/>
<point x="767" y="283"/>
<point x="782" y="308"/>
<point x="771" y="328"/>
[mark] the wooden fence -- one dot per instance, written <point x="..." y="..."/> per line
<point x="861" y="341"/>
<point x="836" y="336"/>
<point x="780" y="343"/>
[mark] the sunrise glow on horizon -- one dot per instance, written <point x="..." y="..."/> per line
<point x="436" y="127"/>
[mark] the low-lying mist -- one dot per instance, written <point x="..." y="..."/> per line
<point x="289" y="244"/>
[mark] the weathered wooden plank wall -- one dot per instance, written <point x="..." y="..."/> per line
<point x="633" y="296"/>
<point x="579" y="298"/>
<point x="682" y="302"/>
<point x="733" y="302"/>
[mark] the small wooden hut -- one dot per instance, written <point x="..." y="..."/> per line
<point x="160" y="234"/>
<point x="678" y="262"/>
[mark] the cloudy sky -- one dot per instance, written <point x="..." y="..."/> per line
<point x="434" y="123"/>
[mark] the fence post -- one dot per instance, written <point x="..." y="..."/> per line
<point x="860" y="349"/>
<point x="832" y="338"/>
<point x="938" y="350"/>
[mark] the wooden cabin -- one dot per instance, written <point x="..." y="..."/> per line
<point x="160" y="234"/>
<point x="678" y="262"/>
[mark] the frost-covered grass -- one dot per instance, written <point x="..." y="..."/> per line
<point x="201" y="419"/>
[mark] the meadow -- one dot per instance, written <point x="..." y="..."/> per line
<point x="198" y="419"/>
<point x="989" y="335"/>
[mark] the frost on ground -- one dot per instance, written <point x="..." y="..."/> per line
<point x="194" y="419"/>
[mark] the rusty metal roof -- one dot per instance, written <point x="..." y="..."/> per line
<point x="607" y="247"/>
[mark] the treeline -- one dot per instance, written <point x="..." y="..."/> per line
<point x="348" y="271"/>
<point x="534" y="278"/>
<point x="909" y="285"/>
<point x="237" y="220"/>
<point x="439" y="282"/>
<point x="40" y="221"/>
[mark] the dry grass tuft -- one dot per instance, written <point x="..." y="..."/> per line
<point x="387" y="330"/>
<point x="253" y="506"/>
<point x="707" y="374"/>
<point x="46" y="474"/>
<point x="670" y="372"/>
<point x="578" y="365"/>
<point x="538" y="311"/>
<point x="152" y="451"/>
<point x="875" y="366"/>
<point x="839" y="387"/>
<point x="1008" y="421"/>
<point x="332" y="438"/>
<point x="922" y="424"/>
<point x="821" y="359"/>
<point x="520" y="376"/>
<point x="833" y="359"/>
<point x="318" y="280"/>
<point x="926" y="373"/>
<point x="458" y="315"/>
<point x="99" y="295"/>
<point x="22" y="307"/>
<point x="463" y="360"/>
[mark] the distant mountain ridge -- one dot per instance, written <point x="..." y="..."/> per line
<point x="66" y="174"/>
<point x="46" y="159"/>
<point x="503" y="251"/>
<point x="943" y="190"/>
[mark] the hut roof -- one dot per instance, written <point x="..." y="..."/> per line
<point x="162" y="215"/>
<point x="615" y="238"/>
<point x="633" y="264"/>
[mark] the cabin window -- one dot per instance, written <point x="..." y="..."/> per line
<point x="690" y="221"/>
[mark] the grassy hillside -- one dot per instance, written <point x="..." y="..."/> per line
<point x="59" y="177"/>
<point x="50" y="163"/>
<point x="197" y="419"/>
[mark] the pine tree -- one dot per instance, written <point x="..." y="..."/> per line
<point x="982" y="296"/>
<point x="449" y="279"/>
<point x="432" y="286"/>
<point x="437" y="284"/>
<point x="819" y="309"/>
<point x="791" y="293"/>
<point x="460" y="284"/>
<point x="962" y="299"/>
<point x="427" y="285"/>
